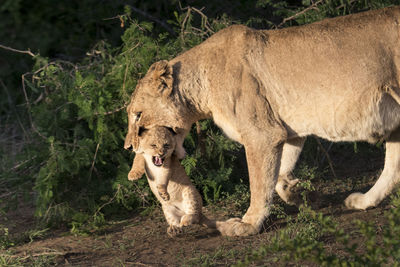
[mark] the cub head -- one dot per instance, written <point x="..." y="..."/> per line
<point x="154" y="103"/>
<point x="157" y="144"/>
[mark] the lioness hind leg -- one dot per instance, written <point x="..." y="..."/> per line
<point x="285" y="187"/>
<point x="387" y="181"/>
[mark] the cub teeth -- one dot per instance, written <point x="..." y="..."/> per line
<point x="157" y="161"/>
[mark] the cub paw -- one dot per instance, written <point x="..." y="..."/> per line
<point x="173" y="231"/>
<point x="189" y="219"/>
<point x="164" y="195"/>
<point x="134" y="175"/>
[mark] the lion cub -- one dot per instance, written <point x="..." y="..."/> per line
<point x="181" y="202"/>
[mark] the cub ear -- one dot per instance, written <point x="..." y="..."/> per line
<point x="160" y="74"/>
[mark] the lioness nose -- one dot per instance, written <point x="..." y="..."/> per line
<point x="128" y="147"/>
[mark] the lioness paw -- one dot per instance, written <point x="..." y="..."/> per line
<point x="235" y="227"/>
<point x="288" y="191"/>
<point x="357" y="201"/>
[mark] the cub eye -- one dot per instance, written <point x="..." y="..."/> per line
<point x="166" y="146"/>
<point x="153" y="146"/>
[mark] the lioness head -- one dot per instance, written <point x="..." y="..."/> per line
<point x="157" y="144"/>
<point x="154" y="103"/>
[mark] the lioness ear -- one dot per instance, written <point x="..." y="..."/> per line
<point x="171" y="130"/>
<point x="141" y="131"/>
<point x="161" y="77"/>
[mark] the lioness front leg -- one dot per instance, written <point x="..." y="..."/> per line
<point x="263" y="163"/>
<point x="285" y="187"/>
<point x="387" y="181"/>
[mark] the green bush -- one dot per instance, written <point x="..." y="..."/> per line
<point x="78" y="114"/>
<point x="81" y="122"/>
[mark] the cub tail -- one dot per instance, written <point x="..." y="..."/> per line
<point x="389" y="90"/>
<point x="213" y="224"/>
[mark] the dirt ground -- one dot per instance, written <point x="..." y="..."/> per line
<point x="142" y="240"/>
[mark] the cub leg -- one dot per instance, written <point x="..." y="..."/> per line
<point x="192" y="205"/>
<point x="286" y="181"/>
<point x="162" y="180"/>
<point x="162" y="191"/>
<point x="387" y="181"/>
<point x="138" y="168"/>
<point x="173" y="217"/>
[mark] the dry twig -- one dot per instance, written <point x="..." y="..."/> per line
<point x="28" y="52"/>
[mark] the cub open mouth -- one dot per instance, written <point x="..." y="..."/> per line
<point x="158" y="161"/>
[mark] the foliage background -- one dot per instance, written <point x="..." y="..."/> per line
<point x="62" y="116"/>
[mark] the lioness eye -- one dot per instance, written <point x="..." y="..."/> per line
<point x="153" y="145"/>
<point x="166" y="146"/>
<point x="137" y="116"/>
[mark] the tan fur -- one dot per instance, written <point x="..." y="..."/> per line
<point x="181" y="202"/>
<point x="337" y="79"/>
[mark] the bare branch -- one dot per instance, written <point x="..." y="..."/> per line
<point x="108" y="202"/>
<point x="204" y="19"/>
<point x="313" y="6"/>
<point x="28" y="104"/>
<point x="348" y="3"/>
<point x="94" y="160"/>
<point x="327" y="157"/>
<point x="147" y="15"/>
<point x="28" y="52"/>
<point x="204" y="23"/>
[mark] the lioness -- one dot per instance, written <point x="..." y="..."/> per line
<point x="181" y="202"/>
<point x="268" y="89"/>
